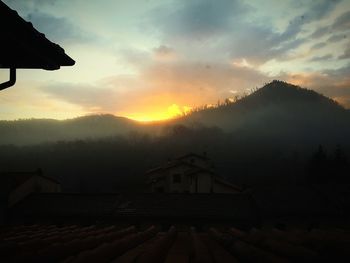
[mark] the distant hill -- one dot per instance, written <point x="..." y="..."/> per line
<point x="33" y="131"/>
<point x="279" y="111"/>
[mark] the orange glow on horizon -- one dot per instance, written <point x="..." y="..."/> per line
<point x="171" y="112"/>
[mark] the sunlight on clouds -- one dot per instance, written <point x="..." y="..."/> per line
<point x="242" y="63"/>
<point x="304" y="79"/>
<point x="345" y="101"/>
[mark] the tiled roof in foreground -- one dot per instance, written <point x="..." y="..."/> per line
<point x="113" y="243"/>
<point x="22" y="46"/>
<point x="261" y="205"/>
<point x="221" y="207"/>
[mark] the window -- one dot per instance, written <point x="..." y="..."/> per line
<point x="176" y="178"/>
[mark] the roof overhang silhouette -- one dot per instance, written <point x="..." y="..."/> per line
<point x="23" y="47"/>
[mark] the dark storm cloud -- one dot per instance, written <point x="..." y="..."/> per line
<point x="346" y="53"/>
<point x="23" y="5"/>
<point x="320" y="32"/>
<point x="199" y="18"/>
<point x="336" y="38"/>
<point x="57" y="29"/>
<point x="321" y="58"/>
<point x="316" y="11"/>
<point x="227" y="22"/>
<point x="342" y="73"/>
<point x="265" y="43"/>
<point x="258" y="44"/>
<point x="318" y="45"/>
<point x="319" y="9"/>
<point x="342" y="22"/>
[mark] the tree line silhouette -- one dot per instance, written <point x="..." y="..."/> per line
<point x="328" y="168"/>
<point x="118" y="164"/>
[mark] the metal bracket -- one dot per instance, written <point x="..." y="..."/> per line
<point x="12" y="80"/>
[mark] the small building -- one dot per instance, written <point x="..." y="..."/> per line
<point x="16" y="186"/>
<point x="21" y="184"/>
<point x="190" y="173"/>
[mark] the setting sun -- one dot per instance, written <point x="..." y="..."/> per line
<point x="172" y="111"/>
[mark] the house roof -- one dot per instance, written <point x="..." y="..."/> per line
<point x="175" y="163"/>
<point x="197" y="170"/>
<point x="179" y="161"/>
<point x="14" y="179"/>
<point x="22" y="46"/>
<point x="203" y="157"/>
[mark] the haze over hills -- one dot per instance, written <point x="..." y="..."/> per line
<point x="34" y="131"/>
<point x="267" y="136"/>
<point x="279" y="110"/>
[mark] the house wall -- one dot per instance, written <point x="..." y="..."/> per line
<point x="204" y="183"/>
<point x="33" y="184"/>
<point x="178" y="187"/>
<point x="195" y="183"/>
<point x="192" y="183"/>
<point x="198" y="183"/>
<point x="159" y="186"/>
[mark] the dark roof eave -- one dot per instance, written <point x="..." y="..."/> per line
<point x="32" y="66"/>
<point x="22" y="46"/>
<point x="203" y="157"/>
<point x="176" y="163"/>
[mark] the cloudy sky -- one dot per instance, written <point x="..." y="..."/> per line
<point x="150" y="59"/>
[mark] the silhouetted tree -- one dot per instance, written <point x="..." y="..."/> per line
<point x="340" y="166"/>
<point x="328" y="169"/>
<point x="318" y="167"/>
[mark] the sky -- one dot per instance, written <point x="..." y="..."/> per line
<point x="153" y="59"/>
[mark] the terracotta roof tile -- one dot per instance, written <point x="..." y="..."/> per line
<point x="150" y="244"/>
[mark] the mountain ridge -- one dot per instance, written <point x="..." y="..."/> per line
<point x="275" y="99"/>
<point x="277" y="109"/>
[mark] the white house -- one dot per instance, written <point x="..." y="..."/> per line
<point x="191" y="173"/>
